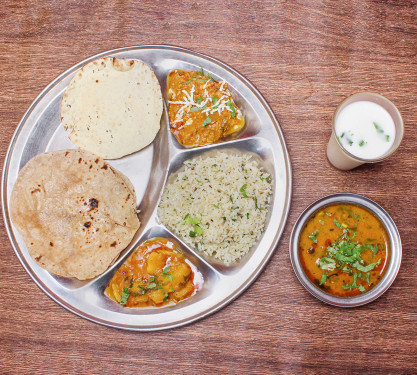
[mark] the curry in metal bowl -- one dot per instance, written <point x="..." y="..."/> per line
<point x="345" y="250"/>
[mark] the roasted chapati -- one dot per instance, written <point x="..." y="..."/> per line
<point x="75" y="212"/>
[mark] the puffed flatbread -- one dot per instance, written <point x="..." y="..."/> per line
<point x="112" y="107"/>
<point x="74" y="211"/>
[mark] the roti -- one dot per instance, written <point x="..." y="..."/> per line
<point x="74" y="211"/>
<point x="112" y="107"/>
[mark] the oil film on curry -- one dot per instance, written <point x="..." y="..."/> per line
<point x="149" y="209"/>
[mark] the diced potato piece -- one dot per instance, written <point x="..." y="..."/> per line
<point x="116" y="293"/>
<point x="156" y="262"/>
<point x="157" y="296"/>
<point x="139" y="300"/>
<point x="182" y="293"/>
<point x="180" y="275"/>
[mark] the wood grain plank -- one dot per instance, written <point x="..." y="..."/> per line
<point x="304" y="57"/>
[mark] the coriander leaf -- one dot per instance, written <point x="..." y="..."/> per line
<point x="327" y="264"/>
<point x="387" y="138"/>
<point x="190" y="220"/>
<point x="361" y="288"/>
<point x="206" y="121"/>
<point x="321" y="222"/>
<point x="200" y="72"/>
<point x="243" y="191"/>
<point x="166" y="270"/>
<point x="346" y="286"/>
<point x="192" y="234"/>
<point x="198" y="230"/>
<point x="199" y="100"/>
<point x="323" y="278"/>
<point x="195" y="109"/>
<point x="313" y="235"/>
<point x="170" y="277"/>
<point x="195" y="79"/>
<point x="125" y="296"/>
<point x="337" y="224"/>
<point x="232" y="107"/>
<point x="367" y="268"/>
<point x="151" y="286"/>
<point x="361" y="143"/>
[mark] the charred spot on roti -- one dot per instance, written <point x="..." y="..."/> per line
<point x="93" y="203"/>
<point x="51" y="244"/>
<point x="113" y="244"/>
<point x="87" y="224"/>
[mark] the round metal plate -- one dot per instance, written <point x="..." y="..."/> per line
<point x="41" y="130"/>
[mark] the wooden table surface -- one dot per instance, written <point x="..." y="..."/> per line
<point x="305" y="57"/>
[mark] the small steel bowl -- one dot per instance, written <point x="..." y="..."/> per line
<point x="394" y="256"/>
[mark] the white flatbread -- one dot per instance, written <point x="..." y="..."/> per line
<point x="112" y="107"/>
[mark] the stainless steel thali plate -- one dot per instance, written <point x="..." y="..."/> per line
<point x="40" y="131"/>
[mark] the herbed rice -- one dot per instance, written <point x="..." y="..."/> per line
<point x="227" y="196"/>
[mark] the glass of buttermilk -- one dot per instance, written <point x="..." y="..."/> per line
<point x="367" y="128"/>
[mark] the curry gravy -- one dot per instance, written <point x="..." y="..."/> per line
<point x="201" y="110"/>
<point x="155" y="274"/>
<point x="349" y="245"/>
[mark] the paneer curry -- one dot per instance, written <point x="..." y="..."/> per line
<point x="344" y="249"/>
<point x="201" y="110"/>
<point x="155" y="274"/>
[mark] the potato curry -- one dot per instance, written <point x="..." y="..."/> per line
<point x="201" y="110"/>
<point x="155" y="274"/>
<point x="344" y="249"/>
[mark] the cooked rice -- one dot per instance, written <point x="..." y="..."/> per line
<point x="212" y="189"/>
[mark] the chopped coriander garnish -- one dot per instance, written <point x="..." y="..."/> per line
<point x="232" y="108"/>
<point x="199" y="100"/>
<point x="195" y="109"/>
<point x="243" y="191"/>
<point x="198" y="230"/>
<point x="200" y="72"/>
<point x="166" y="270"/>
<point x="337" y="224"/>
<point x="206" y="121"/>
<point x="343" y="134"/>
<point x="151" y="286"/>
<point x="190" y="220"/>
<point x="214" y="100"/>
<point x="192" y="234"/>
<point x="361" y="288"/>
<point x="387" y="136"/>
<point x="321" y="222"/>
<point x="323" y="278"/>
<point x="328" y="214"/>
<point x="313" y="235"/>
<point x="361" y="143"/>
<point x="195" y="79"/>
<point x="125" y="296"/>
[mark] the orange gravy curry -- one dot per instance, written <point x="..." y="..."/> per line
<point x="344" y="249"/>
<point x="201" y="110"/>
<point x="155" y="274"/>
